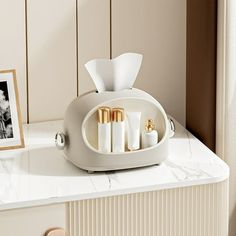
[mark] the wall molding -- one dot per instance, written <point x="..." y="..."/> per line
<point x="221" y="73"/>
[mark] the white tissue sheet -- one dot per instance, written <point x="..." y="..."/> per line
<point x="115" y="74"/>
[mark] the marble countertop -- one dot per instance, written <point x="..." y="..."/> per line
<point x="39" y="175"/>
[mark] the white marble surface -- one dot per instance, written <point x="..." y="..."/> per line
<point x="39" y="175"/>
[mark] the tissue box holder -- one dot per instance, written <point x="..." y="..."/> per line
<point x="80" y="131"/>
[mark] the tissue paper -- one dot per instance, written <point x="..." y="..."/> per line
<point x="115" y="74"/>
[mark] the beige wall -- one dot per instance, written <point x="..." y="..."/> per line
<point x="13" y="44"/>
<point x="93" y="37"/>
<point x="48" y="43"/>
<point x="51" y="57"/>
<point x="157" y="29"/>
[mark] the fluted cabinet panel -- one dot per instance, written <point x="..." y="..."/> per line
<point x="191" y="211"/>
<point x="52" y="64"/>
<point x="13" y="45"/>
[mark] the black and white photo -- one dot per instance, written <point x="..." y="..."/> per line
<point x="6" y="130"/>
<point x="11" y="132"/>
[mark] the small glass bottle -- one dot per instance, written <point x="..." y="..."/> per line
<point x="149" y="135"/>
<point x="104" y="129"/>
<point x="118" y="130"/>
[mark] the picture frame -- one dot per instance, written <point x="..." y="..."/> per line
<point x="11" y="128"/>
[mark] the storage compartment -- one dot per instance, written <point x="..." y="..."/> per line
<point x="148" y="110"/>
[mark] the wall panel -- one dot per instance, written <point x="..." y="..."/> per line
<point x="52" y="65"/>
<point x="93" y="37"/>
<point x="157" y="29"/>
<point x="62" y="35"/>
<point x="13" y="46"/>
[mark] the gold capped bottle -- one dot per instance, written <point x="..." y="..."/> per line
<point x="118" y="130"/>
<point x="104" y="129"/>
<point x="149" y="135"/>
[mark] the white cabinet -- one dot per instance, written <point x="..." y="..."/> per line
<point x="190" y="211"/>
<point x="33" y="221"/>
<point x="187" y="195"/>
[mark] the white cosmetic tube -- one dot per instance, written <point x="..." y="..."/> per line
<point x="133" y="119"/>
